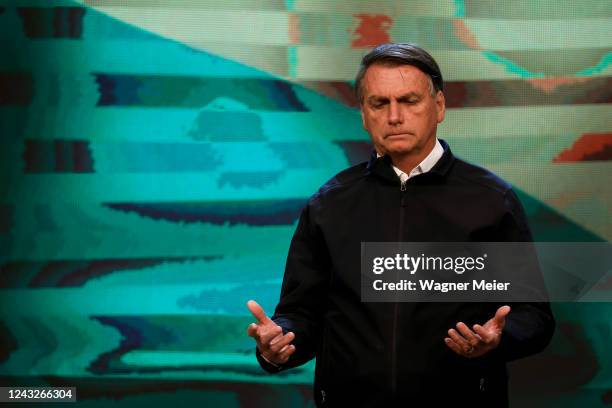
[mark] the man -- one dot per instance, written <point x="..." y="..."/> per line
<point x="412" y="189"/>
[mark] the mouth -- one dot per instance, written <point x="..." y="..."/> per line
<point x="397" y="135"/>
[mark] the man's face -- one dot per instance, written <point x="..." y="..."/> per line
<point x="399" y="111"/>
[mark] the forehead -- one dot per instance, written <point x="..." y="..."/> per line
<point x="385" y="80"/>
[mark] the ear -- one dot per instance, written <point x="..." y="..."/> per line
<point x="440" y="105"/>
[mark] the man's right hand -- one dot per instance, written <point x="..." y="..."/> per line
<point x="273" y="345"/>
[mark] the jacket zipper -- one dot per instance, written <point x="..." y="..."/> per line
<point x="394" y="350"/>
<point x="396" y="305"/>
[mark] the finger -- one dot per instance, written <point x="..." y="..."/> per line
<point x="500" y="315"/>
<point x="469" y="335"/>
<point x="278" y="343"/>
<point x="457" y="338"/>
<point x="252" y="330"/>
<point x="269" y="333"/>
<point x="257" y="311"/>
<point x="286" y="352"/>
<point x="484" y="334"/>
<point x="454" y="346"/>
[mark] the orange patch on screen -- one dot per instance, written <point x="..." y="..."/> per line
<point x="463" y="33"/>
<point x="294" y="29"/>
<point x="372" y="30"/>
<point x="589" y="147"/>
<point x="550" y="85"/>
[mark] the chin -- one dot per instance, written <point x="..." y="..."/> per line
<point x="400" y="148"/>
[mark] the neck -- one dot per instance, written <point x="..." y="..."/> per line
<point x="407" y="161"/>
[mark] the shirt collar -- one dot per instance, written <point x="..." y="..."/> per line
<point x="424" y="166"/>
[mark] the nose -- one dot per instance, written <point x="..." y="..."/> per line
<point x="395" y="114"/>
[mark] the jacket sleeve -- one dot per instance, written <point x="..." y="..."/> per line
<point x="529" y="326"/>
<point x="304" y="290"/>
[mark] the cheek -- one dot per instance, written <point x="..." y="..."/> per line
<point x="425" y="117"/>
<point x="372" y="123"/>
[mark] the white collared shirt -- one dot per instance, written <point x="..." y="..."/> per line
<point x="424" y="166"/>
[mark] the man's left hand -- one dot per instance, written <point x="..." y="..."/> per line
<point x="482" y="339"/>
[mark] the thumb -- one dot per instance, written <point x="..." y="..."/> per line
<point x="257" y="311"/>
<point x="500" y="315"/>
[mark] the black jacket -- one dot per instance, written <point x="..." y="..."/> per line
<point x="393" y="354"/>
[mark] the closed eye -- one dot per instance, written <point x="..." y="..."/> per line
<point x="378" y="103"/>
<point x="409" y="100"/>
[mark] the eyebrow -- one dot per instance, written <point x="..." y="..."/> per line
<point x="376" y="98"/>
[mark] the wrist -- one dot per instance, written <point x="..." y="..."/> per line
<point x="268" y="361"/>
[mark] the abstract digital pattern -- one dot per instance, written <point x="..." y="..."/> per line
<point x="155" y="156"/>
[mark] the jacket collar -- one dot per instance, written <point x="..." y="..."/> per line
<point x="382" y="166"/>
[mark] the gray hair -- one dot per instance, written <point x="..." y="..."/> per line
<point x="400" y="54"/>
